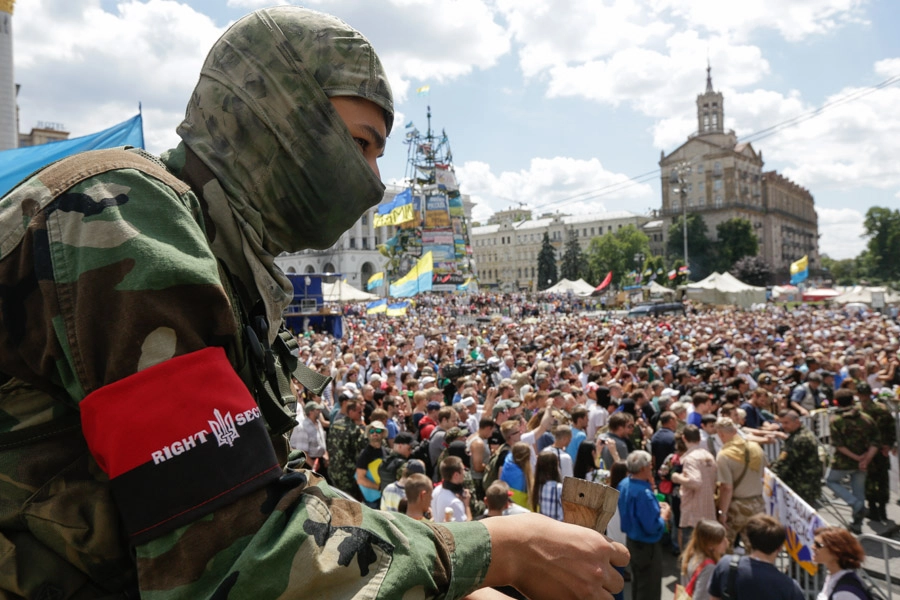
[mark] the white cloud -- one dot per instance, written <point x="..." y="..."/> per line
<point x="660" y="84"/>
<point x="841" y="230"/>
<point x="101" y="64"/>
<point x="794" y="20"/>
<point x="849" y="145"/>
<point x="427" y="41"/>
<point x="561" y="184"/>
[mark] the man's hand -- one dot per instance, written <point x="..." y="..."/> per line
<point x="544" y="558"/>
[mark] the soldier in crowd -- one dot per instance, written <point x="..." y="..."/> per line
<point x="877" y="475"/>
<point x="144" y="373"/>
<point x="854" y="437"/>
<point x="346" y="439"/>
<point x="799" y="465"/>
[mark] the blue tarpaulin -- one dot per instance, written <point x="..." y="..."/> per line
<point x="19" y="163"/>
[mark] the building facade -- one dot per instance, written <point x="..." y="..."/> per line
<point x="724" y="179"/>
<point x="506" y="250"/>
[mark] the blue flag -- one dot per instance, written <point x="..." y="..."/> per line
<point x="19" y="163"/>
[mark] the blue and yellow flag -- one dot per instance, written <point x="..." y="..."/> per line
<point x="376" y="280"/>
<point x="417" y="280"/>
<point x="465" y="285"/>
<point x="378" y="306"/>
<point x="397" y="211"/>
<point x="398" y="309"/>
<point x="800" y="270"/>
<point x="423" y="91"/>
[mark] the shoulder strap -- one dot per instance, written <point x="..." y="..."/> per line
<point x="732" y="577"/>
<point x="740" y="478"/>
<point x="70" y="171"/>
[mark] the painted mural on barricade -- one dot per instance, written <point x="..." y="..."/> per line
<point x="799" y="518"/>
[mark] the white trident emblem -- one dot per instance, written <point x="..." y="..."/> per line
<point x="224" y="428"/>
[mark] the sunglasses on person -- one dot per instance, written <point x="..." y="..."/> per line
<point x="378" y="431"/>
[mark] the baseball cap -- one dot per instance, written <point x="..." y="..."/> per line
<point x="433" y="405"/>
<point x="467" y="401"/>
<point x="669" y="393"/>
<point x="404" y="437"/>
<point x="414" y="465"/>
<point x="863" y="388"/>
<point x="312" y="406"/>
<point x="375" y="425"/>
<point x="504" y="405"/>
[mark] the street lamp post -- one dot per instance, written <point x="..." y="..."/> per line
<point x="677" y="179"/>
<point x="639" y="261"/>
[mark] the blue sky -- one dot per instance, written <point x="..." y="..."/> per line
<point x="543" y="101"/>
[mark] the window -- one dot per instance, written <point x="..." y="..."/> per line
<point x="717" y="184"/>
<point x="700" y="187"/>
<point x="609" y="228"/>
<point x="718" y="200"/>
<point x="365" y="243"/>
<point x="592" y="231"/>
<point x="353" y="242"/>
<point x="365" y="219"/>
<point x="700" y="169"/>
<point x="585" y="231"/>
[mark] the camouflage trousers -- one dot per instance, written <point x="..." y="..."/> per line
<point x="739" y="512"/>
<point x="878" y="488"/>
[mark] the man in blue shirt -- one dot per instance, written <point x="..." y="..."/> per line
<point x="643" y="520"/>
<point x="579" y="422"/>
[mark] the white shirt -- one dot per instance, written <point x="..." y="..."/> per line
<point x="565" y="461"/>
<point x="441" y="500"/>
<point x="597" y="418"/>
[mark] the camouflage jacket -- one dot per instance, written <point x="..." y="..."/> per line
<point x="856" y="431"/>
<point x="345" y="441"/>
<point x="799" y="466"/>
<point x="884" y="420"/>
<point x="129" y="448"/>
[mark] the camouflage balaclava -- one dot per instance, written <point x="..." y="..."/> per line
<point x="260" y="119"/>
<point x="285" y="173"/>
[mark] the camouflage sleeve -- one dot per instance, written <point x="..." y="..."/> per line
<point x="123" y="315"/>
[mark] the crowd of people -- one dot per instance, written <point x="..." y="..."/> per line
<point x="456" y="412"/>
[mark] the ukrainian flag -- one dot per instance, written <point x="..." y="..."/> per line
<point x="378" y="306"/>
<point x="800" y="270"/>
<point x="376" y="280"/>
<point x="398" y="309"/>
<point x="464" y="286"/>
<point x="399" y="210"/>
<point x="417" y="280"/>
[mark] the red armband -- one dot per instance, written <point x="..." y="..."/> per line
<point x="178" y="440"/>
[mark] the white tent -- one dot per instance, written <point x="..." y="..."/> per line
<point x="564" y="286"/>
<point x="864" y="295"/>
<point x="659" y="290"/>
<point x="724" y="288"/>
<point x="340" y="291"/>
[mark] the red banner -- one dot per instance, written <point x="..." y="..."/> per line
<point x="604" y="283"/>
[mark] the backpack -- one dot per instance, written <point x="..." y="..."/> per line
<point x="494" y="464"/>
<point x="421" y="452"/>
<point x="851" y="582"/>
<point x="389" y="469"/>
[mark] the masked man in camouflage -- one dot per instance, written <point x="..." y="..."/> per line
<point x="854" y="437"/>
<point x="139" y="339"/>
<point x="798" y="465"/>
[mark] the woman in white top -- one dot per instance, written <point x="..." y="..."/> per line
<point x="842" y="555"/>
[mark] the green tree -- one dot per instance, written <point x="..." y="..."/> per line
<point x="752" y="270"/>
<point x="546" y="264"/>
<point x="699" y="247"/>
<point x="842" y="272"/>
<point x="882" y="228"/>
<point x="574" y="263"/>
<point x="616" y="251"/>
<point x="736" y="240"/>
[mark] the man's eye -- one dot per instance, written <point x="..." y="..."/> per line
<point x="362" y="143"/>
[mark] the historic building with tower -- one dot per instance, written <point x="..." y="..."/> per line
<point x="721" y="178"/>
